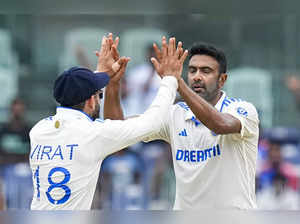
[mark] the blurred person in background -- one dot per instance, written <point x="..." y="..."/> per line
<point x="14" y="150"/>
<point x="293" y="84"/>
<point x="275" y="165"/>
<point x="278" y="195"/>
<point x="124" y="172"/>
<point x="163" y="182"/>
<point x="14" y="135"/>
<point x="143" y="83"/>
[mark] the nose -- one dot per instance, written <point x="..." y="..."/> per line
<point x="197" y="76"/>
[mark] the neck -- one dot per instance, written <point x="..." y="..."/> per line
<point x="215" y="100"/>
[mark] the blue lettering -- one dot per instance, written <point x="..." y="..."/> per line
<point x="179" y="154"/>
<point x="37" y="156"/>
<point x="214" y="151"/>
<point x="218" y="150"/>
<point x="200" y="155"/>
<point x="58" y="153"/>
<point x="71" y="151"/>
<point x="37" y="146"/>
<point x="186" y="155"/>
<point x="46" y="152"/>
<point x="207" y="153"/>
<point x="193" y="156"/>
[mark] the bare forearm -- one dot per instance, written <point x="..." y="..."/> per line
<point x="112" y="105"/>
<point x="217" y="122"/>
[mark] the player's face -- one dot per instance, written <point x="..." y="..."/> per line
<point x="203" y="76"/>
<point x="96" y="111"/>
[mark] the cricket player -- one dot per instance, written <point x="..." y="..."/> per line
<point x="213" y="137"/>
<point x="67" y="149"/>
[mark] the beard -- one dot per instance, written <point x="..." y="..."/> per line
<point x="96" y="112"/>
<point x="201" y="90"/>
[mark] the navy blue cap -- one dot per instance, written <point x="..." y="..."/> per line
<point x="76" y="85"/>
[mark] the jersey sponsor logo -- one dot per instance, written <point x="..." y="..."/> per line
<point x="242" y="111"/>
<point x="183" y="133"/>
<point x="50" y="152"/>
<point x="198" y="155"/>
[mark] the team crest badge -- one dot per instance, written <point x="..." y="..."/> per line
<point x="242" y="111"/>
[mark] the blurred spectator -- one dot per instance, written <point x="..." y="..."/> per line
<point x="278" y="196"/>
<point x="121" y="184"/>
<point x="14" y="149"/>
<point x="14" y="135"/>
<point x="293" y="84"/>
<point x="163" y="185"/>
<point x="143" y="83"/>
<point x="2" y="196"/>
<point x="276" y="165"/>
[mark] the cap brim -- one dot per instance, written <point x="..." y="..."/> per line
<point x="101" y="79"/>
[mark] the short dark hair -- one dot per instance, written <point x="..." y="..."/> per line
<point x="79" y="106"/>
<point x="208" y="49"/>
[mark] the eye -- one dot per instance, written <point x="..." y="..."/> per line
<point x="192" y="69"/>
<point x="206" y="70"/>
<point x="101" y="95"/>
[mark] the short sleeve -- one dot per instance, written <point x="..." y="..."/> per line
<point x="247" y="115"/>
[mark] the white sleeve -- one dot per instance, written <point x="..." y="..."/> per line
<point x="247" y="115"/>
<point x="118" y="134"/>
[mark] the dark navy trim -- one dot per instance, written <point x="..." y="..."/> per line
<point x="88" y="116"/>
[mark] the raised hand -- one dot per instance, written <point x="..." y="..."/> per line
<point x="169" y="60"/>
<point x="108" y="55"/>
<point x="120" y="65"/>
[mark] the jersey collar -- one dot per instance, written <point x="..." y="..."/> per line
<point x="69" y="113"/>
<point x="189" y="115"/>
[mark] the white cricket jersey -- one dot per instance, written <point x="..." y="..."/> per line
<point x="212" y="171"/>
<point x="67" y="150"/>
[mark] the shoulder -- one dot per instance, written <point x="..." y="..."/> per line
<point x="240" y="106"/>
<point x="40" y="124"/>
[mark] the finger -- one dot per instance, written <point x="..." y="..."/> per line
<point x="179" y="50"/>
<point x="119" y="63"/>
<point x="171" y="45"/>
<point x="116" y="66"/>
<point x="164" y="47"/>
<point x="157" y="52"/>
<point x="183" y="57"/>
<point x="115" y="53"/>
<point x="104" y="47"/>
<point x="155" y="63"/>
<point x="110" y="39"/>
<point x="116" y="43"/>
<point x="121" y="72"/>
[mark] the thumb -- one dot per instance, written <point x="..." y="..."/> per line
<point x="155" y="63"/>
<point x="116" y="66"/>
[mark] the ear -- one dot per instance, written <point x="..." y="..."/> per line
<point x="222" y="80"/>
<point x="90" y="103"/>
